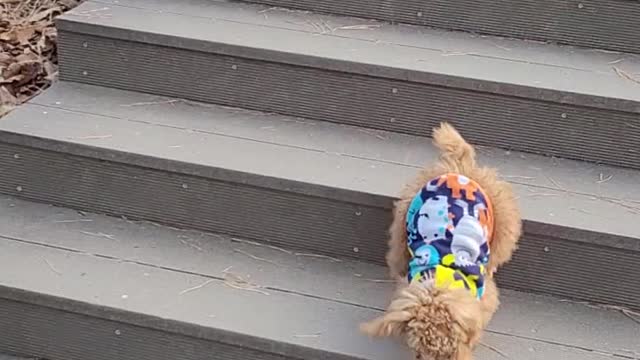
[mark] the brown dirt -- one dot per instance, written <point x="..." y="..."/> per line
<point x="28" y="60"/>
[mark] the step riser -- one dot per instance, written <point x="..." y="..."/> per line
<point x="573" y="270"/>
<point x="551" y="260"/>
<point x="609" y="24"/>
<point x="315" y="224"/>
<point x="548" y="128"/>
<point x="59" y="330"/>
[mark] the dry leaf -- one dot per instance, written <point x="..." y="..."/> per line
<point x="27" y="56"/>
<point x="50" y="70"/>
<point x="6" y="97"/>
<point x="7" y="36"/>
<point x="28" y="59"/>
<point x="46" y="14"/>
<point x="19" y="35"/>
<point x="5" y="59"/>
<point x="22" y="73"/>
<point x="24" y="35"/>
<point x="5" y="109"/>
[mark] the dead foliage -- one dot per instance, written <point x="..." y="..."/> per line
<point x="28" y="60"/>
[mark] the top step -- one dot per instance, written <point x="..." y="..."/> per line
<point x="538" y="98"/>
<point x="601" y="24"/>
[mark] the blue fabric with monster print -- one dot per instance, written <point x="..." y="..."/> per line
<point x="449" y="226"/>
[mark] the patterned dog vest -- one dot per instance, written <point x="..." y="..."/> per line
<point x="449" y="227"/>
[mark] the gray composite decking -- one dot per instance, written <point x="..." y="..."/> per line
<point x="602" y="24"/>
<point x="304" y="184"/>
<point x="257" y="234"/>
<point x="79" y="286"/>
<point x="538" y="98"/>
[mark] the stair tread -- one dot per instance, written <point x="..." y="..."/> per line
<point x="313" y="304"/>
<point x="563" y="74"/>
<point x="322" y="159"/>
<point x="547" y="20"/>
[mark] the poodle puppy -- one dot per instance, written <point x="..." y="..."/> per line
<point x="453" y="227"/>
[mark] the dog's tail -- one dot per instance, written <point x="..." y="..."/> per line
<point x="455" y="152"/>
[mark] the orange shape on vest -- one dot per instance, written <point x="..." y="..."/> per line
<point x="453" y="182"/>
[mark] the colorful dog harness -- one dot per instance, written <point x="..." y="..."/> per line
<point x="449" y="227"/>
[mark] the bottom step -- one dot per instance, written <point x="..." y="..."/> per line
<point x="78" y="286"/>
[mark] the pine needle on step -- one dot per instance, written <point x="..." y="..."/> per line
<point x="197" y="287"/>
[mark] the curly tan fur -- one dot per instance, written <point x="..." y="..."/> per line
<point x="443" y="324"/>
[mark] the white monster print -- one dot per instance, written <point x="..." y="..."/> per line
<point x="433" y="220"/>
<point x="468" y="236"/>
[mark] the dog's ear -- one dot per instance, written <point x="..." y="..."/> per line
<point x="392" y="323"/>
<point x="464" y="352"/>
<point x="465" y="311"/>
<point x="399" y="313"/>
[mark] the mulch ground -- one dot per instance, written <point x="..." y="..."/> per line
<point x="28" y="60"/>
